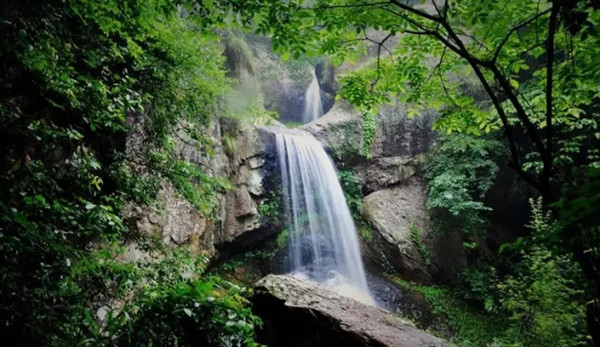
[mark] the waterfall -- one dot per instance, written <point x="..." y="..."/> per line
<point x="313" y="108"/>
<point x="322" y="239"/>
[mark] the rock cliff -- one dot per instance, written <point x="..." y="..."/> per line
<point x="394" y="190"/>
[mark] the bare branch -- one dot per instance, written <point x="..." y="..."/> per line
<point x="380" y="44"/>
<point x="547" y="154"/>
<point x="438" y="65"/>
<point x="413" y="10"/>
<point x="439" y="70"/>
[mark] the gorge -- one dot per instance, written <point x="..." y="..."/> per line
<point x="299" y="173"/>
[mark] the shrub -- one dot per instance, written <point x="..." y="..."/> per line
<point x="352" y="191"/>
<point x="542" y="301"/>
<point x="210" y="312"/>
<point x="414" y="232"/>
<point x="477" y="285"/>
<point x="460" y="171"/>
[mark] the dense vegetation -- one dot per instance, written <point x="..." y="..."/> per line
<point x="75" y="77"/>
<point x="516" y="83"/>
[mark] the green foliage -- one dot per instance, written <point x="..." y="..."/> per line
<point x="197" y="187"/>
<point x="542" y="302"/>
<point x="188" y="305"/>
<point x="460" y="171"/>
<point x="352" y="191"/>
<point x="368" y="133"/>
<point x="477" y="285"/>
<point x="270" y="206"/>
<point x="542" y="296"/>
<point x="282" y="238"/>
<point x="354" y="198"/>
<point x="365" y="231"/>
<point x="293" y="125"/>
<point x="414" y="232"/>
<point x="538" y="303"/>
<point x="77" y="76"/>
<point x="229" y="143"/>
<point x="460" y="323"/>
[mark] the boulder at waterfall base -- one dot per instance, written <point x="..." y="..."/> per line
<point x="298" y="312"/>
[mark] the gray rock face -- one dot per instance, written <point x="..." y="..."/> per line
<point x="393" y="185"/>
<point x="237" y="221"/>
<point x="395" y="134"/>
<point x="299" y="313"/>
<point x="393" y="212"/>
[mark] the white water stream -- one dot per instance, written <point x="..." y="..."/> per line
<point x="313" y="107"/>
<point x="323" y="243"/>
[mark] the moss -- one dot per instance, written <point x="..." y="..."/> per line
<point x="239" y="55"/>
<point x="414" y="232"/>
<point x="229" y="143"/>
<point x="346" y="143"/>
<point x="365" y="231"/>
<point x="456" y="320"/>
<point x="292" y="125"/>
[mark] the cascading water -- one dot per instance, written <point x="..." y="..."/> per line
<point x="313" y="107"/>
<point x="322" y="241"/>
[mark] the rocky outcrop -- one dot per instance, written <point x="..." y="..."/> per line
<point x="248" y="164"/>
<point x="399" y="216"/>
<point x="300" y="313"/>
<point x="254" y="173"/>
<point x="325" y="74"/>
<point x="393" y="185"/>
<point x="396" y="135"/>
<point x="396" y="213"/>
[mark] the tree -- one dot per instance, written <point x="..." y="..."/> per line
<point x="74" y="75"/>
<point x="536" y="62"/>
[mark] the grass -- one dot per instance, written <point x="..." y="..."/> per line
<point x="461" y="323"/>
<point x="292" y="125"/>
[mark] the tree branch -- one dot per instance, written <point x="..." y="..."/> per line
<point x="412" y="10"/>
<point x="513" y="30"/>
<point x="547" y="154"/>
<point x="328" y="7"/>
<point x="380" y="44"/>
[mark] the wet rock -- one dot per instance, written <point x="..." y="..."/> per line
<point x="299" y="313"/>
<point x="393" y="212"/>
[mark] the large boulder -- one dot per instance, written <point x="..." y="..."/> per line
<point x="300" y="313"/>
<point x="405" y="238"/>
<point x="397" y="213"/>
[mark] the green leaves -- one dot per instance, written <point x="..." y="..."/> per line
<point x="541" y="301"/>
<point x="77" y="75"/>
<point x="460" y="171"/>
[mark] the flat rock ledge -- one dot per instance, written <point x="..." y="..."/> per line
<point x="298" y="312"/>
